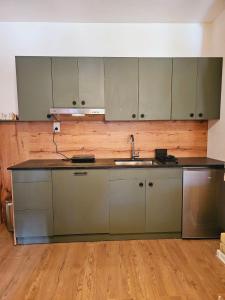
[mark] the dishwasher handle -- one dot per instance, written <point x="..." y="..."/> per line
<point x="80" y="173"/>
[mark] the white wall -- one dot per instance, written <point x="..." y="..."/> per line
<point x="67" y="39"/>
<point x="216" y="133"/>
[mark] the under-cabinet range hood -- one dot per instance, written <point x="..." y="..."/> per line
<point x="77" y="111"/>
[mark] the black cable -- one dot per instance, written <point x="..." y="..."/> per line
<point x="54" y="142"/>
<point x="54" y="116"/>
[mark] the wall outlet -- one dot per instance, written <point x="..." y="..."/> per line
<point x="56" y="126"/>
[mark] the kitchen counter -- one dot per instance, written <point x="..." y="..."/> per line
<point x="110" y="163"/>
<point x="56" y="201"/>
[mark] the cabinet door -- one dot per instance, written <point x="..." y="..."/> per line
<point x="65" y="82"/>
<point x="34" y="87"/>
<point x="184" y="88"/>
<point x="155" y="75"/>
<point x="127" y="206"/>
<point x="164" y="201"/>
<point x="32" y="197"/>
<point x="80" y="201"/>
<point x="121" y="88"/>
<point x="33" y="223"/>
<point x="209" y="88"/>
<point x="91" y="82"/>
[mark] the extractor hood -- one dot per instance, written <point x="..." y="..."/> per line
<point x="77" y="111"/>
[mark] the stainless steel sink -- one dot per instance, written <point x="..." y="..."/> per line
<point x="138" y="162"/>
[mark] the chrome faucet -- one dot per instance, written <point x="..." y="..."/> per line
<point x="134" y="154"/>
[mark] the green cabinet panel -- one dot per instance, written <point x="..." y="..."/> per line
<point x="121" y="88"/>
<point x="164" y="201"/>
<point x="145" y="200"/>
<point x="31" y="176"/>
<point x="32" y="197"/>
<point x="91" y="82"/>
<point x="80" y="201"/>
<point x="34" y="88"/>
<point x="78" y="82"/>
<point x="209" y="88"/>
<point x="33" y="223"/>
<point x="155" y="75"/>
<point x="65" y="82"/>
<point x="184" y="86"/>
<point x="127" y="201"/>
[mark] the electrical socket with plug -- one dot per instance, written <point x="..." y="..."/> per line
<point x="56" y="127"/>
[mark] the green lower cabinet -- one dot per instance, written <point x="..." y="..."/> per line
<point x="164" y="201"/>
<point x="32" y="195"/>
<point x="88" y="202"/>
<point x="33" y="223"/>
<point x="80" y="201"/>
<point x="127" y="206"/>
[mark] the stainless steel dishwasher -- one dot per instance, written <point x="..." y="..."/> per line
<point x="202" y="202"/>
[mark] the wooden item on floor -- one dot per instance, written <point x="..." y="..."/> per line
<point x="222" y="247"/>
<point x="221" y="255"/>
<point x="222" y="237"/>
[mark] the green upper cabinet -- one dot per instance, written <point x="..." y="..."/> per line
<point x="164" y="200"/>
<point x="121" y="88"/>
<point x="209" y="88"/>
<point x="196" y="88"/>
<point x="184" y="85"/>
<point x="155" y="76"/>
<point x="80" y="201"/>
<point x="65" y="82"/>
<point x="78" y="82"/>
<point x="34" y="88"/>
<point x="91" y="82"/>
<point x="128" y="88"/>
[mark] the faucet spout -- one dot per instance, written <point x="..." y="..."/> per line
<point x="134" y="154"/>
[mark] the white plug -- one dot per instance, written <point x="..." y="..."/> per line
<point x="56" y="126"/>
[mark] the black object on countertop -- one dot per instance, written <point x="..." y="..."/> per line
<point x="160" y="153"/>
<point x="162" y="157"/>
<point x="83" y="159"/>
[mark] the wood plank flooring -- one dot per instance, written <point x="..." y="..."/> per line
<point x="121" y="270"/>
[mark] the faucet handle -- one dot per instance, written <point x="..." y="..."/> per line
<point x="132" y="138"/>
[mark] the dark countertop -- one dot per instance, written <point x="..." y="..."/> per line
<point x="109" y="163"/>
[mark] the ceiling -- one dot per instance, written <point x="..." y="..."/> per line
<point x="112" y="11"/>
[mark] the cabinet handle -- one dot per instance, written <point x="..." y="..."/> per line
<point x="83" y="102"/>
<point x="191" y="115"/>
<point x="200" y="115"/>
<point x="150" y="184"/>
<point x="80" y="174"/>
<point x="133" y="116"/>
<point x="74" y="102"/>
<point x="141" y="184"/>
<point x="142" y="115"/>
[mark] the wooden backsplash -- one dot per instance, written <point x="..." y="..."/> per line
<point x="33" y="140"/>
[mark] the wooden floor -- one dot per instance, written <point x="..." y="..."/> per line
<point x="153" y="269"/>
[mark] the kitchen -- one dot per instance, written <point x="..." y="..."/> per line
<point x="119" y="93"/>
